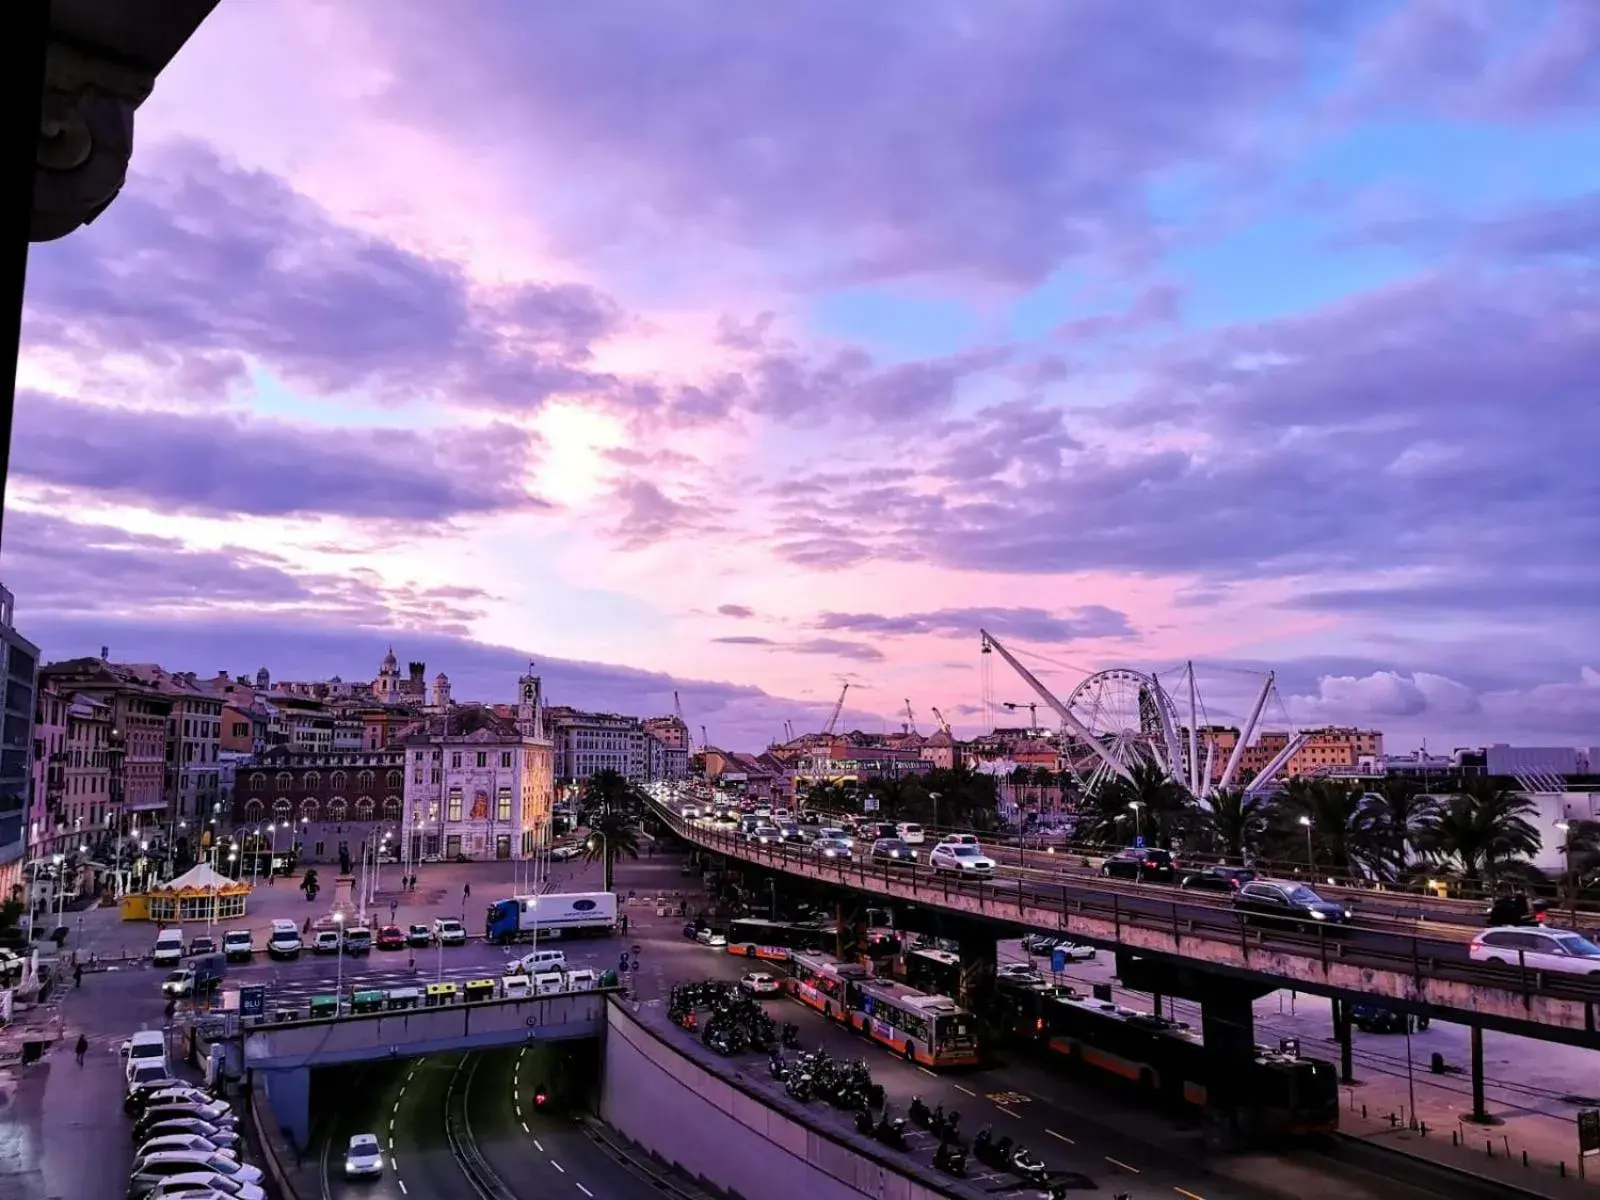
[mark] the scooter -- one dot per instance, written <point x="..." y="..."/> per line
<point x="944" y="1124"/>
<point x="891" y="1133"/>
<point x="1031" y="1169"/>
<point x="919" y="1113"/>
<point x="983" y="1147"/>
<point x="791" y="1035"/>
<point x="777" y="1068"/>
<point x="864" y="1123"/>
<point x="950" y="1158"/>
<point x="798" y="1087"/>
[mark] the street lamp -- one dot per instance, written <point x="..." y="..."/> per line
<point x="1571" y="873"/>
<point x="338" y="986"/>
<point x="1311" y="858"/>
<point x="58" y="859"/>
<point x="1138" y="827"/>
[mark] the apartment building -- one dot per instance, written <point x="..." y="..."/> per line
<point x="585" y="743"/>
<point x="326" y="801"/>
<point x="21" y="674"/>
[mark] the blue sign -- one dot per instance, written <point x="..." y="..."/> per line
<point x="1058" y="960"/>
<point x="1138" y="843"/>
<point x="253" y="1000"/>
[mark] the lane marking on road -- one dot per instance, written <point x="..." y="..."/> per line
<point x="525" y="1128"/>
<point x="391" y="1124"/>
<point x="925" y="1071"/>
<point x="1118" y="1163"/>
<point x="558" y="1166"/>
<point x="394" y="1164"/>
<point x="1063" y="1137"/>
<point x="537" y="1145"/>
<point x="1009" y="1112"/>
<point x="1187" y="1195"/>
<point x="585" y="1190"/>
<point x="402" y="1184"/>
<point x="968" y="1091"/>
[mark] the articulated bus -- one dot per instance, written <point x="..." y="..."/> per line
<point x="774" y="940"/>
<point x="932" y="1030"/>
<point x="1287" y="1095"/>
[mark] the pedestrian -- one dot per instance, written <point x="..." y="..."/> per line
<point x="81" y="1048"/>
<point x="77" y="975"/>
<point x="624" y="924"/>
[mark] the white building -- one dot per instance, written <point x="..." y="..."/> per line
<point x="586" y="743"/>
<point x="478" y="784"/>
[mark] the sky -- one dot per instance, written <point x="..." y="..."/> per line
<point x="750" y="350"/>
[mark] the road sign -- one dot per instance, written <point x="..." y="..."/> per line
<point x="869" y="804"/>
<point x="253" y="1000"/>
<point x="1589" y="1132"/>
<point x="1139" y="842"/>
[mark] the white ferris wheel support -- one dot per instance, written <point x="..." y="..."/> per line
<point x="1068" y="718"/>
<point x="1229" y="771"/>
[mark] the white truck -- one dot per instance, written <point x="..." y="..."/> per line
<point x="552" y="915"/>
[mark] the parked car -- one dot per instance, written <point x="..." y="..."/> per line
<point x="211" y="1112"/>
<point x="1538" y="948"/>
<point x="1018" y="972"/>
<point x="391" y="937"/>
<point x="357" y="942"/>
<point x="1286" y="902"/>
<point x="759" y="983"/>
<point x="1218" y="879"/>
<point x="567" y="852"/>
<point x="419" y="935"/>
<point x="238" y="945"/>
<point x="203" y="945"/>
<point x="325" y="941"/>
<point x="197" y="1184"/>
<point x="154" y="1093"/>
<point x="190" y="1143"/>
<point x="221" y="1136"/>
<point x="1142" y="863"/>
<point x="1039" y="943"/>
<point x="892" y="850"/>
<point x="956" y="859"/>
<point x="1378" y="1018"/>
<point x="363" y="1157"/>
<point x="450" y="931"/>
<point x="151" y="1170"/>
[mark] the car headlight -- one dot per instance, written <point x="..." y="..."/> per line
<point x="1319" y="915"/>
<point x="1348" y="914"/>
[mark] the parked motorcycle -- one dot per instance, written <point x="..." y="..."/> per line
<point x="983" y="1147"/>
<point x="864" y="1123"/>
<point x="891" y="1133"/>
<point x="950" y="1158"/>
<point x="791" y="1035"/>
<point x="1031" y="1169"/>
<point x="919" y="1113"/>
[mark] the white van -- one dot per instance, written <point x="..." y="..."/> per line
<point x="538" y="961"/>
<point x="169" y="948"/>
<point x="910" y="833"/>
<point x="147" y="1047"/>
<point x="285" y="940"/>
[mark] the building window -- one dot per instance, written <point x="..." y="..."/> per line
<point x="313" y="781"/>
<point x="337" y="809"/>
<point x="391" y="808"/>
<point x="505" y="759"/>
<point x="258" y="782"/>
<point x="281" y="808"/>
<point x="285" y="780"/>
<point x="308" y="809"/>
<point x="503" y="805"/>
<point x="254" y="810"/>
<point x="364" y="808"/>
<point x="364" y="780"/>
<point x="339" y="781"/>
<point x="483" y="758"/>
<point x="454" y="813"/>
<point x="455" y="761"/>
<point x="392" y="779"/>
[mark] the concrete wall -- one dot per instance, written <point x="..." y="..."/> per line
<point x="712" y="1129"/>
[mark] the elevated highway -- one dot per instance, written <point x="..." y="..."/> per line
<point x="1415" y="965"/>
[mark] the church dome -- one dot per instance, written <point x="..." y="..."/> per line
<point x="390" y="662"/>
<point x="441" y="677"/>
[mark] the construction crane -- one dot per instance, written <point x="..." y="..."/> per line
<point x="943" y="724"/>
<point x="911" y="717"/>
<point x="838" y="708"/>
<point x="677" y="709"/>
<point x="705" y="739"/>
<point x="788" y="731"/>
<point x="1033" y="711"/>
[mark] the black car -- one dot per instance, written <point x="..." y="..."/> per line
<point x="1288" y="902"/>
<point x="1376" y="1018"/>
<point x="203" y="945"/>
<point x="1141" y="863"/>
<point x="1218" y="879"/>
<point x="892" y="850"/>
<point x="1515" y="909"/>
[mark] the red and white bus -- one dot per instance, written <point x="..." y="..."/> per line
<point x="929" y="1029"/>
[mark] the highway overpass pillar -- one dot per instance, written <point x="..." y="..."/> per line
<point x="1480" y="1114"/>
<point x="1227" y="1025"/>
<point x="290" y="1094"/>
<point x="977" y="953"/>
<point x="1341" y="1031"/>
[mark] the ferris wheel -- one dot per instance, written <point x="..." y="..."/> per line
<point x="1132" y="718"/>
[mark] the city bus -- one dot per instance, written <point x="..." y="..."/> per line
<point x="774" y="940"/>
<point x="934" y="971"/>
<point x="929" y="1029"/>
<point x="1288" y="1095"/>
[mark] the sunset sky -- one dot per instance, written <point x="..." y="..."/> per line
<point x="753" y="348"/>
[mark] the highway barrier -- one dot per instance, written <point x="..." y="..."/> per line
<point x="1427" y="970"/>
<point x="716" y="1127"/>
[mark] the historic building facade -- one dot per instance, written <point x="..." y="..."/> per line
<point x="324" y="800"/>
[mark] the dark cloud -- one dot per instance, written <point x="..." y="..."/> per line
<point x="93" y="573"/>
<point x="1027" y="624"/>
<point x="738" y="612"/>
<point x="203" y="268"/>
<point x="223" y="464"/>
<point x="995" y="145"/>
<point x="835" y="648"/>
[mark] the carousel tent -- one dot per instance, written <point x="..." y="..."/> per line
<point x="199" y="894"/>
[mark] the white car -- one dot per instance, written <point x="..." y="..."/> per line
<point x="363" y="1157"/>
<point x="759" y="983"/>
<point x="178" y="983"/>
<point x="910" y="833"/>
<point x="960" y="860"/>
<point x="1539" y="948"/>
<point x="1020" y="972"/>
<point x="566" y="853"/>
<point x="710" y="937"/>
<point x="163" y="1164"/>
<point x="1073" y="951"/>
<point x="450" y="932"/>
<point x="833" y="833"/>
<point x="960" y="839"/>
<point x="187" y="1143"/>
<point x="206" y="1183"/>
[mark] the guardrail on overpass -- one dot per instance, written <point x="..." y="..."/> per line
<point x="453" y="1027"/>
<point x="1410" y="970"/>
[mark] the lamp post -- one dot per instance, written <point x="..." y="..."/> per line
<point x="1571" y="873"/>
<point x="605" y="858"/>
<point x="1311" y="858"/>
<point x="58" y="859"/>
<point x="1138" y="826"/>
<point x="338" y="986"/>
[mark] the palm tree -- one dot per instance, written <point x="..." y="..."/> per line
<point x="1149" y="803"/>
<point x="1347" y="833"/>
<point x="1484" y="829"/>
<point x="611" y="835"/>
<point x="608" y="791"/>
<point x="1237" y="822"/>
<point x="1410" y="815"/>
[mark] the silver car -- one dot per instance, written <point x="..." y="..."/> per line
<point x="363" y="1157"/>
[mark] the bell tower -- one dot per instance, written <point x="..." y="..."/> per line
<point x="530" y="705"/>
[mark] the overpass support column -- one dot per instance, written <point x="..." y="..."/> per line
<point x="1227" y="1024"/>
<point x="977" y="971"/>
<point x="1341" y="1031"/>
<point x="1480" y="1115"/>
<point x="290" y="1093"/>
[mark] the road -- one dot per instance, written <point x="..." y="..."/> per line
<point x="530" y="1154"/>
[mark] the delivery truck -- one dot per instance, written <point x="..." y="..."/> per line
<point x="552" y="915"/>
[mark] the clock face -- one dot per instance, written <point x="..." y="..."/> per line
<point x="527" y="691"/>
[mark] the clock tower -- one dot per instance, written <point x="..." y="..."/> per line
<point x="530" y="705"/>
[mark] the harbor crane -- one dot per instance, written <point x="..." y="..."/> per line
<point x="1033" y="711"/>
<point x="943" y="724"/>
<point x="838" y="708"/>
<point x="911" y="717"/>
